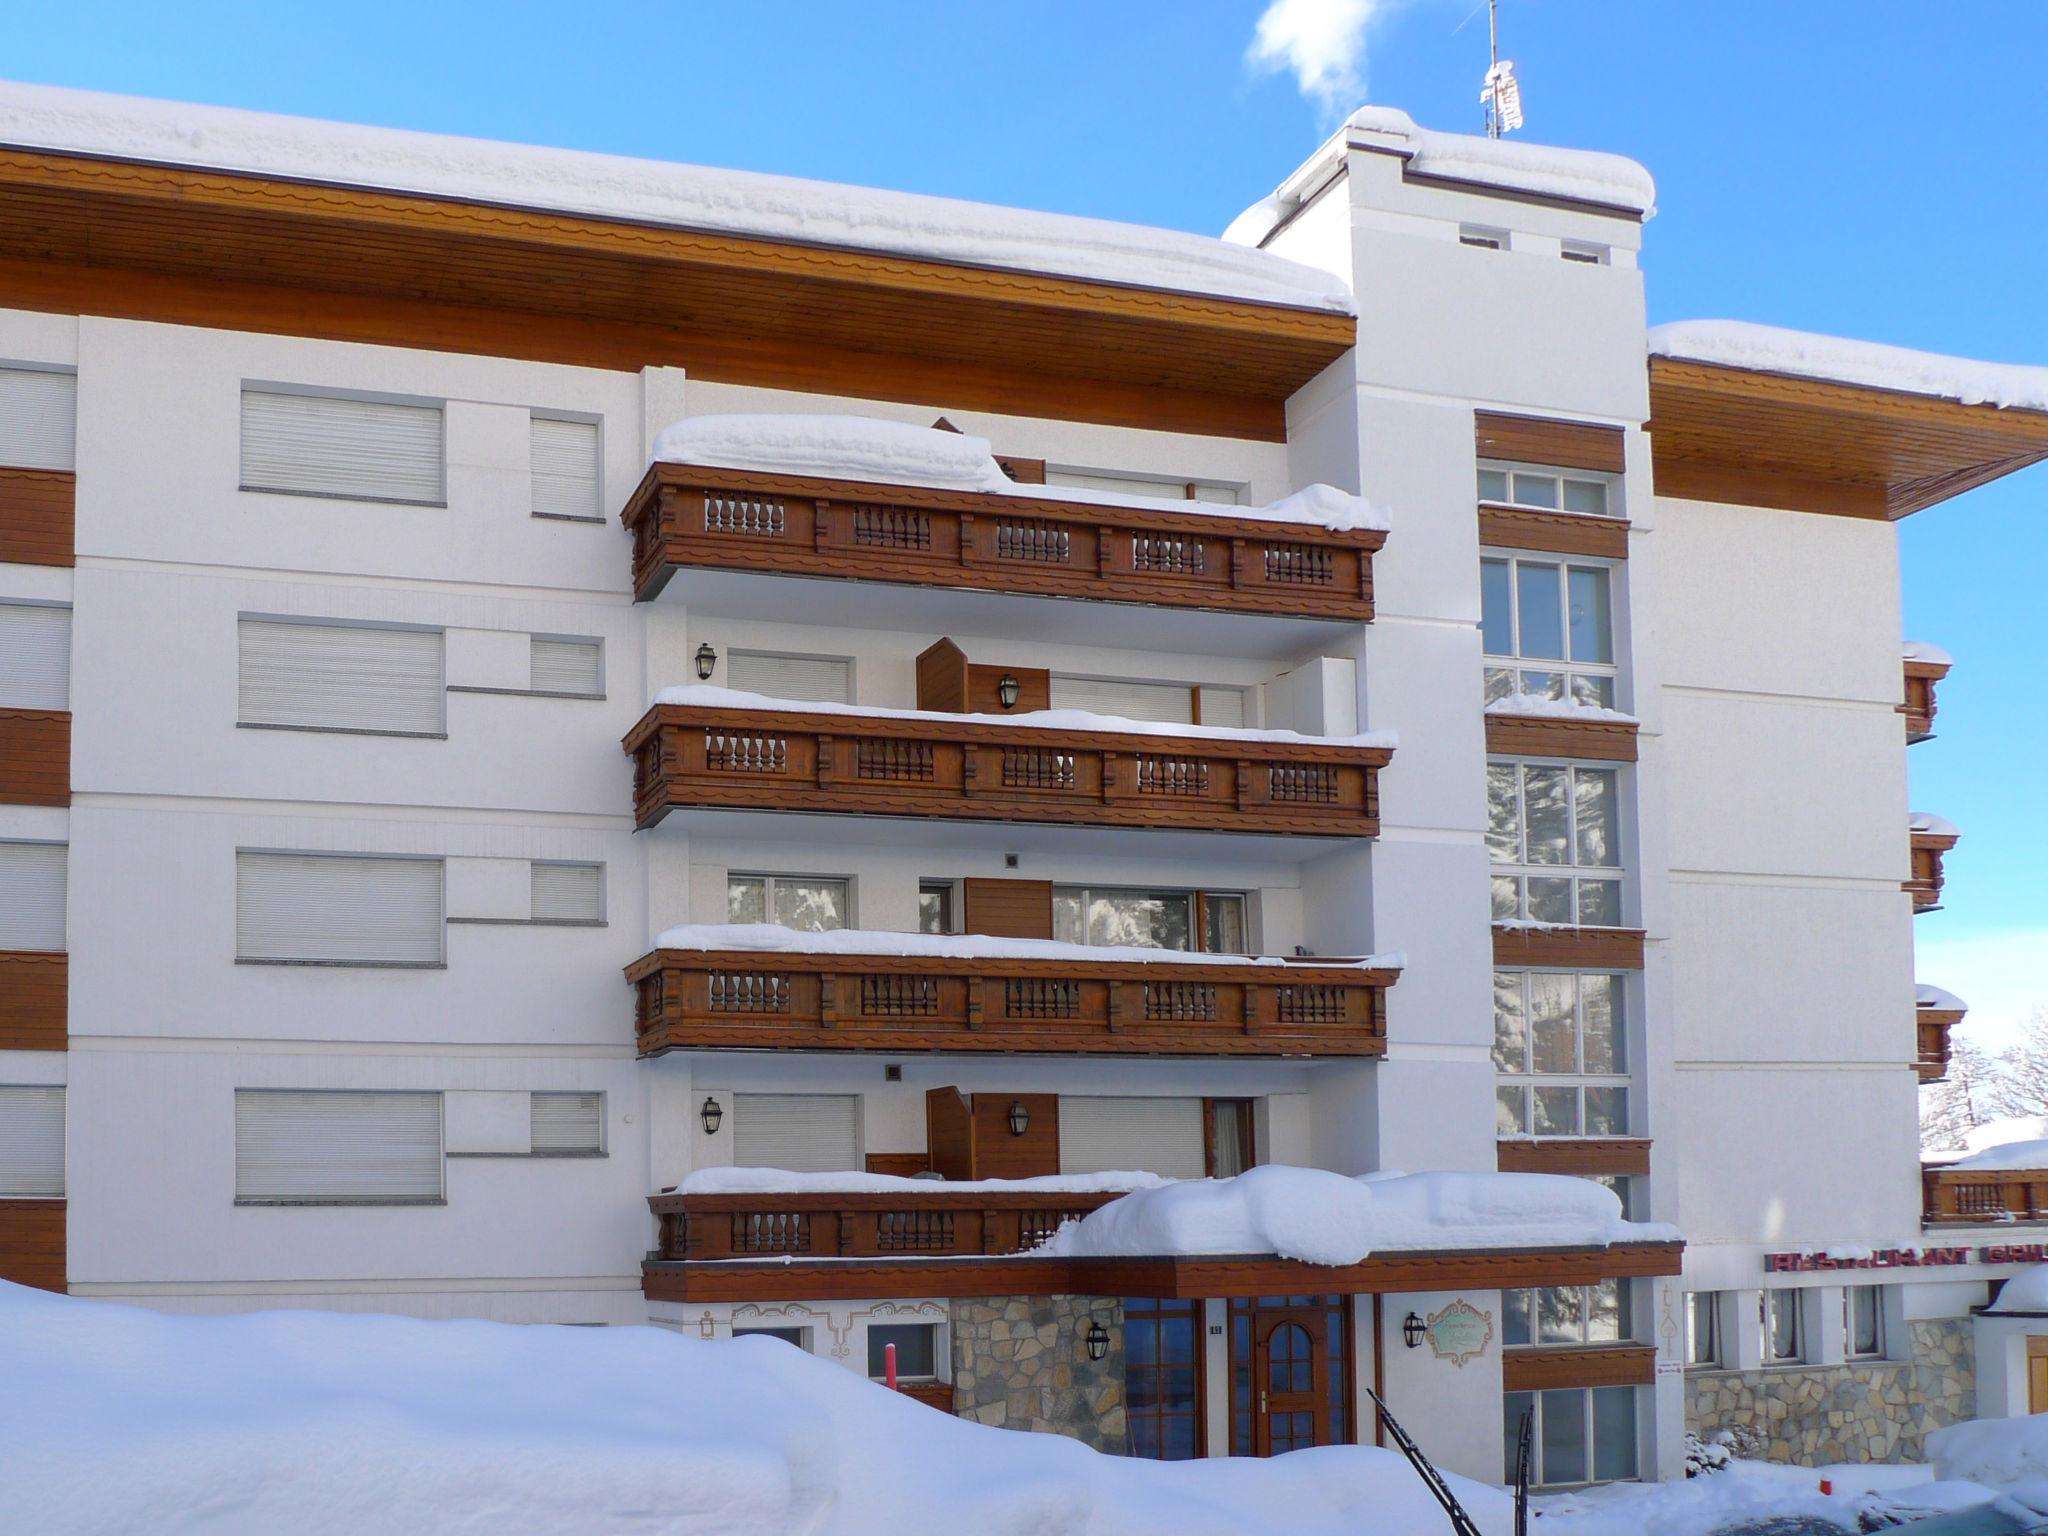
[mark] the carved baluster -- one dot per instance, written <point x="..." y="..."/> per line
<point x="828" y="1011"/>
<point x="974" y="1002"/>
<point x="827" y="748"/>
<point x="969" y="532"/>
<point x="821" y="518"/>
<point x="1105" y="558"/>
<point x="1240" y="563"/>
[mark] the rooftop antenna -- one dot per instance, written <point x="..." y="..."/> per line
<point x="1502" y="92"/>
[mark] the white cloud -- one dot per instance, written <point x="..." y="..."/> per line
<point x="2003" y="976"/>
<point x="1322" y="42"/>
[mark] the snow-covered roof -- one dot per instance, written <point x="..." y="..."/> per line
<point x="1932" y="825"/>
<point x="1920" y="650"/>
<point x="1542" y="707"/>
<point x="1933" y="997"/>
<point x="898" y="453"/>
<point x="959" y="946"/>
<point x="704" y="696"/>
<point x="1838" y="360"/>
<point x="744" y="203"/>
<point x="2007" y="1155"/>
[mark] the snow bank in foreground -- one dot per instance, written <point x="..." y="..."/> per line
<point x="752" y="1181"/>
<point x="1992" y="1450"/>
<point x="117" y="1420"/>
<point x="1770" y="349"/>
<point x="957" y="946"/>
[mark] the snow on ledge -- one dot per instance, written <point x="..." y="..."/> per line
<point x="1932" y="825"/>
<point x="773" y="937"/>
<point x="1582" y="175"/>
<point x="1838" y="360"/>
<point x="657" y="192"/>
<point x="2016" y="1155"/>
<point x="1933" y="997"/>
<point x="1541" y="706"/>
<point x="705" y="696"/>
<point x="898" y="453"/>
<point x="781" y="1181"/>
<point x="2025" y="1293"/>
<point x="1920" y="650"/>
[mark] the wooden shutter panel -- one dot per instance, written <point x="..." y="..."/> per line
<point x="567" y="666"/>
<point x="799" y="1132"/>
<point x="1167" y="703"/>
<point x="1542" y="440"/>
<point x="32" y="1140"/>
<point x="1148" y="1135"/>
<point x="35" y="656"/>
<point x="32" y="896"/>
<point x="337" y="909"/>
<point x="565" y="469"/>
<point x="818" y="679"/>
<point x="567" y="1122"/>
<point x="342" y="677"/>
<point x="568" y="893"/>
<point x="38" y="418"/>
<point x="342" y="1146"/>
<point x="325" y="445"/>
<point x="1008" y="909"/>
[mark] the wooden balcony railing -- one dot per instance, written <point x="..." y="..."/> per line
<point x="1921" y="676"/>
<point x="934" y="1223"/>
<point x="689" y="756"/>
<point x="731" y="999"/>
<point x="719" y="519"/>
<point x="1983" y="1196"/>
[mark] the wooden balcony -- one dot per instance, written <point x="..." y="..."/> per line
<point x="1922" y="673"/>
<point x="783" y="1000"/>
<point x="1983" y="1196"/>
<point x="684" y="517"/>
<point x="934" y="1222"/>
<point x="703" y="756"/>
<point x="1933" y="1017"/>
<point x="1930" y="845"/>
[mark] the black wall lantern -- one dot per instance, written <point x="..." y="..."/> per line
<point x="707" y="662"/>
<point x="1020" y="1118"/>
<point x="1097" y="1340"/>
<point x="1008" y="689"/>
<point x="1412" y="1331"/>
<point x="712" y="1114"/>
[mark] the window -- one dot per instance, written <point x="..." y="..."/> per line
<point x="1554" y="617"/>
<point x="916" y="1350"/>
<point x="337" y="909"/>
<point x="1543" y="490"/>
<point x="1232" y="1146"/>
<point x="333" y="445"/>
<point x="797" y="1132"/>
<point x="567" y="666"/>
<point x="1165" y="1136"/>
<point x="1584" y="252"/>
<point x="815" y="679"/>
<point x="32" y="896"/>
<point x="1581" y="1434"/>
<point x="1784" y="1329"/>
<point x="1554" y="834"/>
<point x="311" y="676"/>
<point x="38" y="412"/>
<point x="1558" y="1045"/>
<point x="323" y="1147"/>
<point x="1159" y="486"/>
<point x="32" y="1140"/>
<point x="1565" y="1314"/>
<point x="1210" y="921"/>
<point x="935" y="906"/>
<point x="566" y="481"/>
<point x="807" y="903"/>
<point x="1482" y="239"/>
<point x="567" y="893"/>
<point x="793" y="1336"/>
<point x="1703" y="1328"/>
<point x="1620" y="1186"/>
<point x="566" y="1124"/>
<point x="1863" y="1321"/>
<point x="1163" y="1378"/>
<point x="35" y="656"/>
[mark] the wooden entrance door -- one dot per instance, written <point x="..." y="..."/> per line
<point x="1290" y="1361"/>
<point x="2037" y="1375"/>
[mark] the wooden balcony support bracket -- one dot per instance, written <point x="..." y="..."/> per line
<point x="688" y="516"/>
<point x="1928" y="877"/>
<point x="1932" y="1026"/>
<point x="1919" y="706"/>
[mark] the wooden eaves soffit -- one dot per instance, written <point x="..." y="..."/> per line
<point x="159" y="242"/>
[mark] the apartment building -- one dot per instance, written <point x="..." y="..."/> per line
<point x="585" y="741"/>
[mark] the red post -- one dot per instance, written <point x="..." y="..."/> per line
<point x="889" y="1365"/>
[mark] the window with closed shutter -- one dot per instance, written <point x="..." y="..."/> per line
<point x="565" y="469"/>
<point x="331" y="445"/>
<point x="568" y="893"/>
<point x="340" y="1147"/>
<point x="567" y="1122"/>
<point x="1167" y="703"/>
<point x="819" y="679"/>
<point x="800" y="1132"/>
<point x="38" y="415"/>
<point x="342" y="677"/>
<point x="1223" y="706"/>
<point x="337" y="909"/>
<point x="35" y="656"/>
<point x="567" y="666"/>
<point x="31" y="1140"/>
<point x="32" y="896"/>
<point x="1148" y="1135"/>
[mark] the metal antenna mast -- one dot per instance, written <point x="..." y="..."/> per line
<point x="1502" y="92"/>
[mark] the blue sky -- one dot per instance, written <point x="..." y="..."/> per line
<point x="1874" y="169"/>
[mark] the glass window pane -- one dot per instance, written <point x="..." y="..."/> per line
<point x="1226" y="924"/>
<point x="1540" y="604"/>
<point x="1514" y="1317"/>
<point x="746" y="899"/>
<point x="1592" y="690"/>
<point x="1513" y="1406"/>
<point x="1586" y="496"/>
<point x="934" y="909"/>
<point x="1604" y="1323"/>
<point x="1510" y="1024"/>
<point x="1594" y="793"/>
<point x="1535" y="490"/>
<point x="1599" y="904"/>
<point x="1496" y="612"/>
<point x="1782" y="1326"/>
<point x="1557" y="1111"/>
<point x="1510" y="1113"/>
<point x="913" y="1343"/>
<point x="1141" y="919"/>
<point x="1617" y="1186"/>
<point x="1543" y="685"/>
<point x="1550" y="900"/>
<point x="1866" y="1329"/>
<point x="1507" y="898"/>
<point x="1493" y="485"/>
<point x="1606" y="1111"/>
<point x="1702" y="1328"/>
<point x="1600" y="1019"/>
<point x="1553" y="1029"/>
<point x="1614" y="1432"/>
<point x="1067" y="902"/>
<point x="1500" y="683"/>
<point x="810" y="906"/>
<point x="1592" y="621"/>
<point x="1546" y="803"/>
<point x="1563" y="1434"/>
<point x="1503" y="831"/>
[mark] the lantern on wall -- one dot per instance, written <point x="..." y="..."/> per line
<point x="1097" y="1339"/>
<point x="1008" y="689"/>
<point x="712" y="1114"/>
<point x="1020" y="1118"/>
<point x="1412" y="1331"/>
<point x="707" y="662"/>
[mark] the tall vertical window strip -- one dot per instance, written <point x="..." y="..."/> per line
<point x="1559" y="1046"/>
<point x="1548" y="629"/>
<point x="1554" y="834"/>
<point x="32" y="896"/>
<point x="341" y="677"/>
<point x="1163" y="1378"/>
<point x="566" y="479"/>
<point x="35" y="656"/>
<point x="1783" y="1325"/>
<point x="1703" y="1328"/>
<point x="335" y="445"/>
<point x="1863" y="1321"/>
<point x="337" y="909"/>
<point x="38" y="416"/>
<point x="32" y="1140"/>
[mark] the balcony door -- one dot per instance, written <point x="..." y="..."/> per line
<point x="1290" y="1374"/>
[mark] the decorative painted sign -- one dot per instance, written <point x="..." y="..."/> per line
<point x="1883" y="1258"/>
<point x="2014" y="1253"/>
<point x="1459" y="1333"/>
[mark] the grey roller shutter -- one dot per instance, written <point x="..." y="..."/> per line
<point x="32" y="1140"/>
<point x="567" y="666"/>
<point x="567" y="1122"/>
<point x="1148" y="1135"/>
<point x="800" y="1132"/>
<point x="568" y="893"/>
<point x="342" y="677"/>
<point x="1166" y="703"/>
<point x="565" y="469"/>
<point x="328" y="445"/>
<point x="347" y="1147"/>
<point x="35" y="656"/>
<point x="337" y="909"/>
<point x="817" y="679"/>
<point x="1223" y="706"/>
<point x="32" y="896"/>
<point x="38" y="418"/>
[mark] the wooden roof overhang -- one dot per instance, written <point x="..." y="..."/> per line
<point x="1169" y="1278"/>
<point x="150" y="241"/>
<point x="1809" y="445"/>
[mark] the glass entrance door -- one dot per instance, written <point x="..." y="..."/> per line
<point x="1290" y="1374"/>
